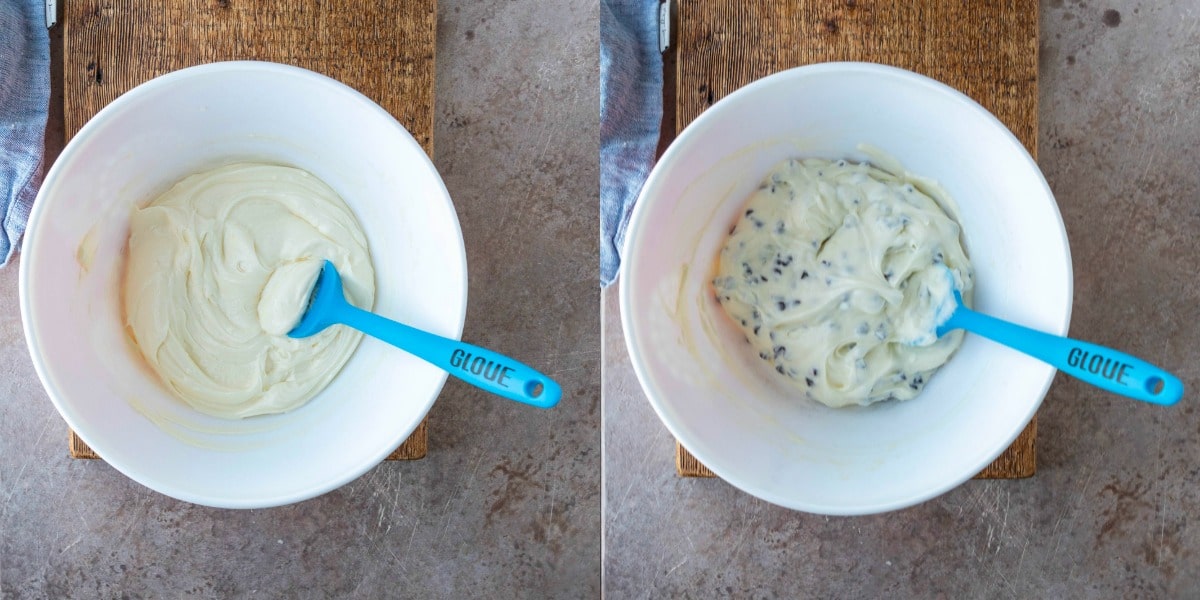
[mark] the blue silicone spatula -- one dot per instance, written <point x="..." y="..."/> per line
<point x="477" y="366"/>
<point x="1102" y="367"/>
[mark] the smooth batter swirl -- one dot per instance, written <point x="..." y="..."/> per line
<point x="220" y="268"/>
<point x="834" y="273"/>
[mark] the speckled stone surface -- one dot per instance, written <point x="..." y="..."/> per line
<point x="1112" y="511"/>
<point x="507" y="504"/>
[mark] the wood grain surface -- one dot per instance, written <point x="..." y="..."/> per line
<point x="987" y="50"/>
<point x="384" y="49"/>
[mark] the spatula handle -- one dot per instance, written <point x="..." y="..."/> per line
<point x="480" y="367"/>
<point x="1102" y="367"/>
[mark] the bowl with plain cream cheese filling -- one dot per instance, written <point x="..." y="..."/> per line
<point x="770" y="260"/>
<point x="236" y="179"/>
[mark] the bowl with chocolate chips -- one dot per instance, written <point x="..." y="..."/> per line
<point x="782" y="274"/>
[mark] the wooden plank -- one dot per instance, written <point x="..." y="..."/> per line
<point x="384" y="49"/>
<point x="78" y="448"/>
<point x="987" y="50"/>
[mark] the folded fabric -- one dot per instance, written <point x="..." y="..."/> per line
<point x="24" y="102"/>
<point x="630" y="116"/>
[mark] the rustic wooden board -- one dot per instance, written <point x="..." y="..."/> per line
<point x="987" y="50"/>
<point x="384" y="49"/>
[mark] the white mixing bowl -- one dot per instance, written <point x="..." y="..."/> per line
<point x="711" y="390"/>
<point x="72" y="266"/>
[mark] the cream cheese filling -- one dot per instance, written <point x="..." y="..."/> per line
<point x="834" y="273"/>
<point x="219" y="270"/>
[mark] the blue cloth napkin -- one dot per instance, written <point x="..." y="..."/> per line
<point x="24" y="102"/>
<point x="631" y="84"/>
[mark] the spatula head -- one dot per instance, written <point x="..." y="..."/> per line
<point x="933" y="316"/>
<point x="323" y="302"/>
<point x="946" y="312"/>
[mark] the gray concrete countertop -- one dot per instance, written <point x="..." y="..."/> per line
<point x="507" y="503"/>
<point x="1112" y="511"/>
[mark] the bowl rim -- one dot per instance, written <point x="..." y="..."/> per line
<point x="634" y="240"/>
<point x="50" y="182"/>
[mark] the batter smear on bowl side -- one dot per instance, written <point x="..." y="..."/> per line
<point x="831" y="271"/>
<point x="220" y="268"/>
